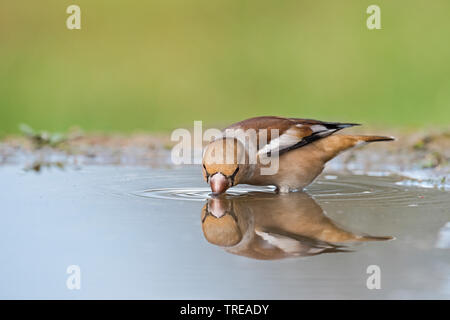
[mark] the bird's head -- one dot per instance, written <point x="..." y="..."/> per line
<point x="220" y="225"/>
<point x="223" y="164"/>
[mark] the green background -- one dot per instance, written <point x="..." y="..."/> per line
<point x="159" y="65"/>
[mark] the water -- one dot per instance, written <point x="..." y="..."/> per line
<point x="157" y="234"/>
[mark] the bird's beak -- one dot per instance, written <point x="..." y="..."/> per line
<point x="217" y="207"/>
<point x="219" y="183"/>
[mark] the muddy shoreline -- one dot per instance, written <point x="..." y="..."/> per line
<point x="423" y="157"/>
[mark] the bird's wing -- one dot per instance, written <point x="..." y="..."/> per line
<point x="294" y="246"/>
<point x="293" y="133"/>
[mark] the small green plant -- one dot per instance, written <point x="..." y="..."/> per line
<point x="432" y="160"/>
<point x="42" y="138"/>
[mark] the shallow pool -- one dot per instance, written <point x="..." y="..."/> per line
<point x="150" y="233"/>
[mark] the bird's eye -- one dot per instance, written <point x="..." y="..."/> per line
<point x="234" y="175"/>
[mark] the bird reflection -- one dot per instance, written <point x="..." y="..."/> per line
<point x="268" y="226"/>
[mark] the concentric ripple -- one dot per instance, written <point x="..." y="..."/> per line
<point x="196" y="194"/>
<point x="383" y="190"/>
<point x="358" y="188"/>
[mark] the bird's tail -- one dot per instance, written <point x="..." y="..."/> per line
<point x="332" y="145"/>
<point x="372" y="138"/>
<point x="373" y="238"/>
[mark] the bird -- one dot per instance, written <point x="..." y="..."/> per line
<point x="244" y="152"/>
<point x="266" y="226"/>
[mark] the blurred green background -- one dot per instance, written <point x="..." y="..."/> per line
<point x="159" y="65"/>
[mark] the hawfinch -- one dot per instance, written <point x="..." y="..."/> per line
<point x="268" y="227"/>
<point x="288" y="153"/>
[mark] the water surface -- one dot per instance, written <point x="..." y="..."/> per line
<point x="157" y="234"/>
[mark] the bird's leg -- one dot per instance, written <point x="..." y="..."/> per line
<point x="284" y="189"/>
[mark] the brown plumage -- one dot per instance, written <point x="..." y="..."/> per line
<point x="300" y="147"/>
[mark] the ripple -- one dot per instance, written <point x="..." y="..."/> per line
<point x="197" y="194"/>
<point x="376" y="191"/>
<point x="366" y="190"/>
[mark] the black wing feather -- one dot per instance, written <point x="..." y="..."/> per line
<point x="332" y="127"/>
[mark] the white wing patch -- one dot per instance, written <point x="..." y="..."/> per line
<point x="286" y="140"/>
<point x="289" y="245"/>
<point x="318" y="128"/>
<point x="286" y="244"/>
<point x="293" y="136"/>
